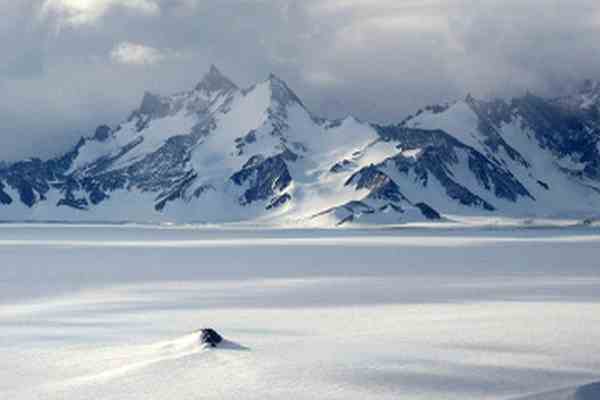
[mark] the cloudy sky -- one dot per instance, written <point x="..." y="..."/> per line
<point x="69" y="65"/>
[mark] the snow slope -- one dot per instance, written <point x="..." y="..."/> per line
<point x="109" y="312"/>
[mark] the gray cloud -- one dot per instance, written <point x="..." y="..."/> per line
<point x="68" y="65"/>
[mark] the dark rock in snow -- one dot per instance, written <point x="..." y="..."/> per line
<point x="342" y="166"/>
<point x="440" y="153"/>
<point x="289" y="155"/>
<point x="543" y="184"/>
<point x="210" y="337"/>
<point x="279" y="201"/>
<point x="428" y="212"/>
<point x="176" y="191"/>
<point x="382" y="186"/>
<point x="264" y="177"/>
<point x="79" y="204"/>
<point x="4" y="197"/>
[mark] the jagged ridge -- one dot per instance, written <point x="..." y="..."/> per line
<point x="218" y="153"/>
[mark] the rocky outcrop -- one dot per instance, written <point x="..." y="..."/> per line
<point x="262" y="178"/>
<point x="210" y="337"/>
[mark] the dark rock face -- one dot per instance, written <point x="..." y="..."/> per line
<point x="563" y="130"/>
<point x="79" y="204"/>
<point x="566" y="127"/>
<point x="342" y="166"/>
<point x="4" y="197"/>
<point x="210" y="337"/>
<point x="505" y="185"/>
<point x="368" y="178"/>
<point x="165" y="172"/>
<point x="428" y="212"/>
<point x="490" y="114"/>
<point x="382" y="186"/>
<point x="176" y="191"/>
<point x="31" y="178"/>
<point x="351" y="209"/>
<point x="279" y="201"/>
<point x="241" y="142"/>
<point x="543" y="184"/>
<point x="440" y="153"/>
<point x="264" y="178"/>
<point x="355" y="208"/>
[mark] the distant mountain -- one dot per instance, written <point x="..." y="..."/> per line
<point x="218" y="153"/>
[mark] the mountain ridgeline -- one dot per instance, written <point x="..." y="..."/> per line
<point x="222" y="154"/>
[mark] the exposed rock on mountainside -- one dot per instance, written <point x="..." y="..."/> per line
<point x="218" y="153"/>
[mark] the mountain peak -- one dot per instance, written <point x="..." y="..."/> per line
<point x="274" y="78"/>
<point x="282" y="92"/>
<point x="215" y="81"/>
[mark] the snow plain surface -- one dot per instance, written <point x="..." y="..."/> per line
<point x="109" y="312"/>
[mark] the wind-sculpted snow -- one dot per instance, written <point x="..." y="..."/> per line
<point x="116" y="312"/>
<point x="218" y="153"/>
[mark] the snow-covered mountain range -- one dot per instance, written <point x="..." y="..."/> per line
<point x="219" y="153"/>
